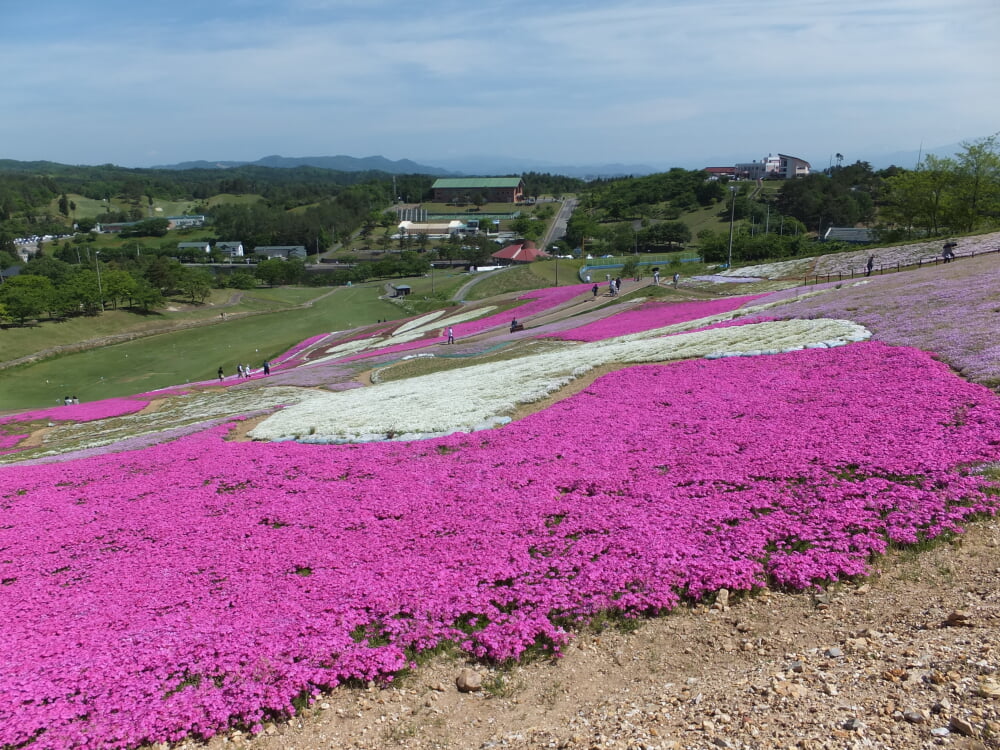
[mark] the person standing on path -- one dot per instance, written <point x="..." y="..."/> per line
<point x="221" y="374"/>
<point x="656" y="276"/>
<point x="595" y="290"/>
<point x="870" y="265"/>
<point x="267" y="367"/>
<point x="451" y="335"/>
<point x="677" y="278"/>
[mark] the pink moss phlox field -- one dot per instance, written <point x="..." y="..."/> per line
<point x="652" y="315"/>
<point x="187" y="587"/>
<point x="539" y="301"/>
<point x="287" y="357"/>
<point x="10" y="441"/>
<point x="87" y="412"/>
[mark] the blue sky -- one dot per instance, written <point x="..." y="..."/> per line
<point x="659" y="82"/>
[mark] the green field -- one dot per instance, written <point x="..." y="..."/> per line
<point x="167" y="359"/>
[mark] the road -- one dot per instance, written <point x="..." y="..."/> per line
<point x="558" y="227"/>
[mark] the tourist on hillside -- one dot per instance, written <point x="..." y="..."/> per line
<point x="267" y="367"/>
<point x="948" y="253"/>
<point x="451" y="335"/>
<point x="870" y="265"/>
<point x="239" y="371"/>
<point x="677" y="278"/>
<point x="222" y="374"/>
<point x="656" y="276"/>
<point x="595" y="290"/>
<point x="618" y="285"/>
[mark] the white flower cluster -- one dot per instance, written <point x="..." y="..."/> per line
<point x="486" y="394"/>
<point x="173" y="412"/>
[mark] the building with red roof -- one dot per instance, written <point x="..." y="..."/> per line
<point x="519" y="252"/>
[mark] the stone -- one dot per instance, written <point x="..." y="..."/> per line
<point x="854" y="725"/>
<point x="958" y="617"/>
<point x="914" y="717"/>
<point x="834" y="652"/>
<point x="940" y="731"/>
<point x="962" y="726"/>
<point x="469" y="681"/>
<point x="988" y="689"/>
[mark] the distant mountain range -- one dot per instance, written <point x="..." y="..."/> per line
<point x="337" y="163"/>
<point x="486" y="165"/>
<point x="448" y="167"/>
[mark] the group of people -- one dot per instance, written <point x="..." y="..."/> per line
<point x="70" y="400"/>
<point x="656" y="278"/>
<point x="244" y="371"/>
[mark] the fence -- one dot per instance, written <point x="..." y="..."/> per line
<point x="820" y="278"/>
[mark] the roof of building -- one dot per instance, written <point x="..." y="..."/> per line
<point x="193" y="244"/>
<point x="849" y="234"/>
<point x="228" y="244"/>
<point x="796" y="158"/>
<point x="460" y="183"/>
<point x="522" y="252"/>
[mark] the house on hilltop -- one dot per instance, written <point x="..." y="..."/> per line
<point x="853" y="235"/>
<point x="202" y="247"/>
<point x="185" y="222"/>
<point x="774" y="167"/>
<point x="468" y="189"/>
<point x="232" y="249"/>
<point x="280" y="251"/>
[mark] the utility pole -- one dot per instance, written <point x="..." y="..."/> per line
<point x="100" y="289"/>
<point x="732" y="216"/>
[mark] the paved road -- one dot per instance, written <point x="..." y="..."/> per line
<point x="558" y="227"/>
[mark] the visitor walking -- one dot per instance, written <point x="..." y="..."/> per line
<point x="595" y="290"/>
<point x="451" y="335"/>
<point x="618" y="285"/>
<point x="870" y="265"/>
<point x="222" y="374"/>
<point x="677" y="278"/>
<point x="656" y="276"/>
<point x="267" y="367"/>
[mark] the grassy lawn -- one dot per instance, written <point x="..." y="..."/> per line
<point x="183" y="356"/>
<point x="516" y="279"/>
<point x="19" y="342"/>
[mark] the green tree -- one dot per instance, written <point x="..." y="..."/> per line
<point x="241" y="280"/>
<point x="196" y="284"/>
<point x="118" y="286"/>
<point x="81" y="292"/>
<point x="977" y="182"/>
<point x="146" y="296"/>
<point x="27" y="297"/>
<point x="271" y="271"/>
<point x="922" y="198"/>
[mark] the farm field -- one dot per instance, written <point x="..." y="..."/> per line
<point x="309" y="558"/>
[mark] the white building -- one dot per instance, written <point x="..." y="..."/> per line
<point x="774" y="167"/>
